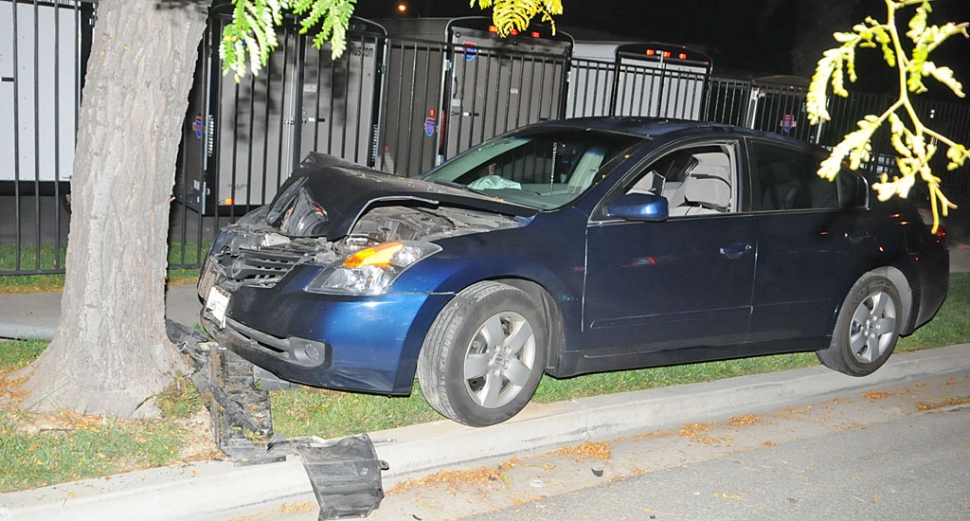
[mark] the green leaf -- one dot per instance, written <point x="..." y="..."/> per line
<point x="917" y="24"/>
<point x="943" y="75"/>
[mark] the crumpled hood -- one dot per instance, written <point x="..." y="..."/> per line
<point x="326" y="196"/>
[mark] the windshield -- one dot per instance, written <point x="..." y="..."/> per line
<point x="543" y="168"/>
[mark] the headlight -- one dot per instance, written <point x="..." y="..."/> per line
<point x="371" y="271"/>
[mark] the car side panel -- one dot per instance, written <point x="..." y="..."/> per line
<point x="921" y="256"/>
<point x="807" y="260"/>
<point x="682" y="283"/>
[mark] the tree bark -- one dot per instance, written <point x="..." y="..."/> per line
<point x="111" y="353"/>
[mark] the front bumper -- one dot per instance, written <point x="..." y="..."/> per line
<point x="361" y="344"/>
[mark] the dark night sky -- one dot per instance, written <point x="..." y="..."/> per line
<point x="750" y="35"/>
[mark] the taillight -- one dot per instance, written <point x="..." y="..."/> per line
<point x="941" y="235"/>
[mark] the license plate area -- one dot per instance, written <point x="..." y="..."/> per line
<point x="216" y="303"/>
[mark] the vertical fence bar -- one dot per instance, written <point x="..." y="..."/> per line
<point x="16" y="136"/>
<point x="37" y="166"/>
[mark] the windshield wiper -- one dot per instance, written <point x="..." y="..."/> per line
<point x="449" y="183"/>
<point x="460" y="186"/>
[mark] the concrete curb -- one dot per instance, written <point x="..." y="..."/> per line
<point x="26" y="331"/>
<point x="207" y="489"/>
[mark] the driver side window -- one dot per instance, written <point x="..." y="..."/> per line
<point x="695" y="181"/>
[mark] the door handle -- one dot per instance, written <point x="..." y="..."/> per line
<point x="735" y="251"/>
<point x="857" y="236"/>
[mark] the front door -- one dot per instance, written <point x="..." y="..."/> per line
<point x="685" y="282"/>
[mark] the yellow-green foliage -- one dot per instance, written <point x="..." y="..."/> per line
<point x="915" y="144"/>
<point x="252" y="33"/>
<point x="516" y="14"/>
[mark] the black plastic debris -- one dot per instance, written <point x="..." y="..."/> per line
<point x="269" y="381"/>
<point x="241" y="418"/>
<point x="345" y="474"/>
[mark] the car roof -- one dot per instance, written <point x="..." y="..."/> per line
<point x="659" y="127"/>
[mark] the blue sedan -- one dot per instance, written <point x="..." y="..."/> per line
<point x="565" y="248"/>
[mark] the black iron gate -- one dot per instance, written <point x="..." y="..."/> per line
<point x="398" y="104"/>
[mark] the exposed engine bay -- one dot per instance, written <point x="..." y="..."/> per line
<point x="252" y="252"/>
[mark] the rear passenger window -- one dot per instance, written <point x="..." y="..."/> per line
<point x="786" y="179"/>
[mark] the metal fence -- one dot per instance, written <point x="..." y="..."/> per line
<point x="43" y="51"/>
<point x="399" y="105"/>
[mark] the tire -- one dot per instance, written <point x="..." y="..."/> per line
<point x="867" y="327"/>
<point x="466" y="375"/>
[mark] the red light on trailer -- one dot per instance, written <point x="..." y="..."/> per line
<point x="431" y="112"/>
<point x="535" y="34"/>
<point x="682" y="56"/>
<point x="514" y="32"/>
<point x="666" y="54"/>
<point x="651" y="52"/>
<point x="492" y="29"/>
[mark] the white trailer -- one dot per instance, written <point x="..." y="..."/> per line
<point x="40" y="73"/>
<point x="637" y="79"/>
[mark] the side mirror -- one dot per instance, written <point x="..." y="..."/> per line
<point x="638" y="207"/>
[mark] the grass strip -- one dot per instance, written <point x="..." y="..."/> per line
<point x="951" y="325"/>
<point x="39" y="450"/>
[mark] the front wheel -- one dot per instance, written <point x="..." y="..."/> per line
<point x="867" y="328"/>
<point x="484" y="355"/>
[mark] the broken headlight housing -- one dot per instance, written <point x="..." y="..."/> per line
<point x="372" y="270"/>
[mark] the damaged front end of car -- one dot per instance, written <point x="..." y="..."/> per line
<point x="303" y="287"/>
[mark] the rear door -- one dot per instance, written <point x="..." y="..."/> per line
<point x="813" y="241"/>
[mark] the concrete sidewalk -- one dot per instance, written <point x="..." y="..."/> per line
<point x="214" y="490"/>
<point x="39" y="313"/>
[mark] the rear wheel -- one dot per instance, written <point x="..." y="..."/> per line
<point x="867" y="327"/>
<point x="484" y="355"/>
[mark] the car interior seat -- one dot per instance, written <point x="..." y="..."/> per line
<point x="587" y="167"/>
<point x="707" y="189"/>
<point x="781" y="191"/>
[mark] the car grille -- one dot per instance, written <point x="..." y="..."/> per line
<point x="260" y="268"/>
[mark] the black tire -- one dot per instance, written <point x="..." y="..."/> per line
<point x="867" y="328"/>
<point x="460" y="364"/>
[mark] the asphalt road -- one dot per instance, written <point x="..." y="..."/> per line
<point x="913" y="467"/>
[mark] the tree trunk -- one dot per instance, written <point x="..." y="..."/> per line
<point x="111" y="353"/>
